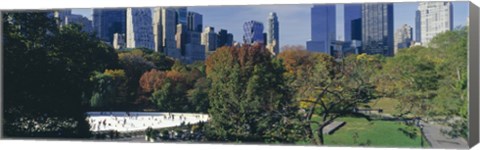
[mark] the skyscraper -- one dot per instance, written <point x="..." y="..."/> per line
<point x="323" y="28"/>
<point x="418" y="20"/>
<point x="80" y="20"/>
<point x="107" y="22"/>
<point x="181" y="15"/>
<point x="356" y="30"/>
<point x="157" y="29"/>
<point x="403" y="38"/>
<point x="209" y="40"/>
<point x="253" y="32"/>
<point x="224" y="38"/>
<point x="352" y="17"/>
<point x="181" y="38"/>
<point x="139" y="28"/>
<point x="194" y="22"/>
<point x="118" y="41"/>
<point x="377" y="28"/>
<point x="164" y="24"/>
<point x="169" y="26"/>
<point x="273" y="42"/>
<point x="194" y="50"/>
<point x="435" y="17"/>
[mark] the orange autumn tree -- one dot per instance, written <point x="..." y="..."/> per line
<point x="169" y="90"/>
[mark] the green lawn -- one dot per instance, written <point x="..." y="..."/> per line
<point x="388" y="105"/>
<point x="374" y="133"/>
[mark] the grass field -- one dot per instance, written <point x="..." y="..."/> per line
<point x="388" y="105"/>
<point x="361" y="132"/>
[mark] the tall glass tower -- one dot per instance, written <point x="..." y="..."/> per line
<point x="352" y="14"/>
<point x="107" y="22"/>
<point x="181" y="15"/>
<point x="377" y="28"/>
<point x="194" y="22"/>
<point x="418" y="21"/>
<point x="253" y="32"/>
<point x="273" y="33"/>
<point x="323" y="32"/>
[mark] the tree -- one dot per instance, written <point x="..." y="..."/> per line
<point x="333" y="89"/>
<point x="134" y="65"/>
<point x="110" y="90"/>
<point x="414" y="80"/>
<point x="198" y="96"/>
<point x="248" y="99"/>
<point x="47" y="73"/>
<point x="181" y="89"/>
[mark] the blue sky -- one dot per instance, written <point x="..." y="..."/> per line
<point x="294" y="19"/>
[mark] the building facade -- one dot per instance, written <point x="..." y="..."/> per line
<point x="403" y="38"/>
<point x="165" y="26"/>
<point x="119" y="41"/>
<point x="107" y="22"/>
<point x="84" y="22"/>
<point x="181" y="15"/>
<point x="323" y="28"/>
<point x="194" y="50"/>
<point x="273" y="34"/>
<point x="435" y="17"/>
<point x="157" y="29"/>
<point x="194" y="22"/>
<point x="418" y="20"/>
<point x="377" y="29"/>
<point x="139" y="28"/>
<point x="224" y="38"/>
<point x="253" y="32"/>
<point x="209" y="40"/>
<point x="352" y="21"/>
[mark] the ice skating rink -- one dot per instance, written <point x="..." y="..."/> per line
<point x="140" y="121"/>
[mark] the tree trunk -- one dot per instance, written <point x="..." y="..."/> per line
<point x="320" y="135"/>
<point x="310" y="135"/>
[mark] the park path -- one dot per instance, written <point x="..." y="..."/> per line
<point x="437" y="139"/>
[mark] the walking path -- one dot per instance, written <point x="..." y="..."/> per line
<point x="439" y="140"/>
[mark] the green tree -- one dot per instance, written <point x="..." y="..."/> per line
<point x="414" y="80"/>
<point x="248" y="98"/>
<point x="110" y="90"/>
<point x="331" y="89"/>
<point x="47" y="73"/>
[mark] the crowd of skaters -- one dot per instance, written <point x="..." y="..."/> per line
<point x="139" y="121"/>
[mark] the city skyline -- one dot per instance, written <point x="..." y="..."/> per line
<point x="293" y="31"/>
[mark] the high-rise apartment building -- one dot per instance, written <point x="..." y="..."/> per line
<point x="181" y="15"/>
<point x="139" y="28"/>
<point x="181" y="38"/>
<point x="224" y="38"/>
<point x="164" y="24"/>
<point x="403" y="38"/>
<point x="273" y="35"/>
<point x="107" y="22"/>
<point x="323" y="28"/>
<point x="194" y="22"/>
<point x="435" y="17"/>
<point x="377" y="28"/>
<point x="209" y="40"/>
